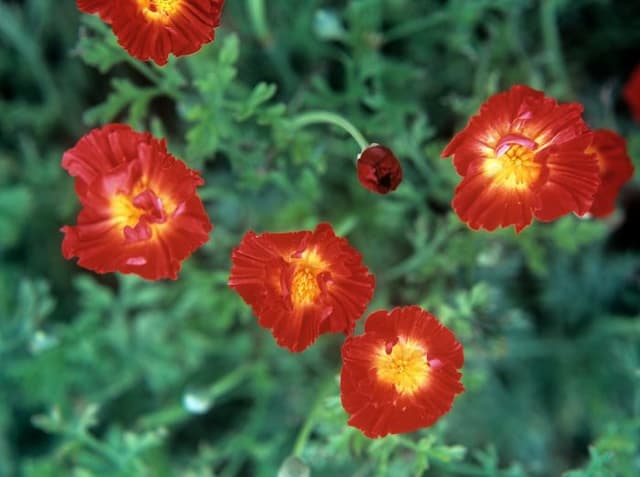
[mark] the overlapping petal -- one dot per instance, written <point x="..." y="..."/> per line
<point x="301" y="284"/>
<point x="523" y="156"/>
<point x="402" y="374"/>
<point x="104" y="8"/>
<point x="141" y="213"/>
<point x="615" y="168"/>
<point x="101" y="150"/>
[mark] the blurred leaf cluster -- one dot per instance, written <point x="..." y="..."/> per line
<point x="115" y="376"/>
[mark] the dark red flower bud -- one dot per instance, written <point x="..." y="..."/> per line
<point x="378" y="169"/>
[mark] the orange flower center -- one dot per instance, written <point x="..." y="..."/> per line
<point x="310" y="274"/>
<point x="138" y="214"/>
<point x="159" y="10"/>
<point x="514" y="166"/>
<point x="304" y="286"/>
<point x="405" y="366"/>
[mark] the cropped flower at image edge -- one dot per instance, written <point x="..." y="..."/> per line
<point x="402" y="374"/>
<point x="301" y="284"/>
<point x="152" y="29"/>
<point x="141" y="213"/>
<point x="631" y="93"/>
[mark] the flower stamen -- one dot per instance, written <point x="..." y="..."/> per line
<point x="514" y="166"/>
<point x="159" y="10"/>
<point x="304" y="286"/>
<point x="405" y="366"/>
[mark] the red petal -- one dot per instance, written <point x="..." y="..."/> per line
<point x="572" y="180"/>
<point x="615" y="167"/>
<point x="483" y="206"/>
<point x="101" y="150"/>
<point x="104" y="8"/>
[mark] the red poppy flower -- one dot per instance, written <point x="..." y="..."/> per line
<point x="615" y="169"/>
<point x="523" y="155"/>
<point x="140" y="210"/>
<point x="151" y="29"/>
<point x="378" y="169"/>
<point x="631" y="93"/>
<point x="401" y="374"/>
<point x="301" y="284"/>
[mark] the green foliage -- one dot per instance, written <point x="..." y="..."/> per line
<point x="114" y="376"/>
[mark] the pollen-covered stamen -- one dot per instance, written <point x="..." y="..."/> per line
<point x="304" y="286"/>
<point x="514" y="165"/>
<point x="159" y="10"/>
<point x="304" y="277"/>
<point x="405" y="366"/>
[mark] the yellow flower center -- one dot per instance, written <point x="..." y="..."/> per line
<point x="124" y="212"/>
<point x="514" y="169"/>
<point x="405" y="367"/>
<point x="159" y="10"/>
<point x="304" y="286"/>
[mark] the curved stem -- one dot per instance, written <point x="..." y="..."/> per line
<point x="327" y="117"/>
<point x="229" y="381"/>
<point x="177" y="413"/>
<point x="143" y="68"/>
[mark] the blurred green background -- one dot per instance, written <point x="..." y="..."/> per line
<point x="114" y="376"/>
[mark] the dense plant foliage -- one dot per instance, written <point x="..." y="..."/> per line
<point x="112" y="375"/>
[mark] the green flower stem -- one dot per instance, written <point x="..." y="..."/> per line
<point x="143" y="69"/>
<point x="177" y="413"/>
<point x="307" y="427"/>
<point x="551" y="39"/>
<point x="326" y="117"/>
<point x="229" y="381"/>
